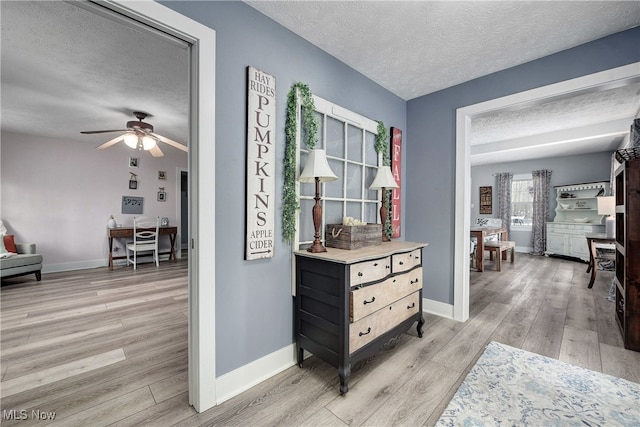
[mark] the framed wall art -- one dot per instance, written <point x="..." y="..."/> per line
<point x="486" y="200"/>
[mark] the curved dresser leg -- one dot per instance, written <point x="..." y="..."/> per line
<point x="344" y="372"/>
<point x="419" y="326"/>
<point x="300" y="353"/>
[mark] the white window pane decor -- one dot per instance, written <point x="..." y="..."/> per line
<point x="349" y="141"/>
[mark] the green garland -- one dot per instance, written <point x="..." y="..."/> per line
<point x="290" y="203"/>
<point x="382" y="146"/>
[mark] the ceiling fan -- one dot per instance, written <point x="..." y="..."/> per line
<point x="139" y="135"/>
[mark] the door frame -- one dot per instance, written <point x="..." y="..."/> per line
<point x="181" y="232"/>
<point x="201" y="282"/>
<point x="464" y="115"/>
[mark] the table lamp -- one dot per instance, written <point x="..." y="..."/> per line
<point x="607" y="206"/>
<point x="384" y="181"/>
<point x="317" y="170"/>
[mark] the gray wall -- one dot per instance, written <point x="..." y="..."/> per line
<point x="565" y="170"/>
<point x="430" y="148"/>
<point x="254" y="311"/>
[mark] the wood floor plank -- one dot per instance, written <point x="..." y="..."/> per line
<point x="171" y="386"/>
<point x="101" y="415"/>
<point x="417" y="399"/>
<point x="170" y="412"/>
<point x="580" y="348"/>
<point x="323" y="418"/>
<point x="45" y="376"/>
<point x="581" y="310"/>
<point x="621" y="363"/>
<point x="472" y="337"/>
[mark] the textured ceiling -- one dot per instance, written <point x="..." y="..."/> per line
<point x="414" y="48"/>
<point x="65" y="69"/>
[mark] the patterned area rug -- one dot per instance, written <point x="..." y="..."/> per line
<point x="513" y="387"/>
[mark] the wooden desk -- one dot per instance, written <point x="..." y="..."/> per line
<point x="119" y="232"/>
<point x="592" y="240"/>
<point x="480" y="233"/>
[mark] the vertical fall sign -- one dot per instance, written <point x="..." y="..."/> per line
<point x="261" y="159"/>
<point x="396" y="170"/>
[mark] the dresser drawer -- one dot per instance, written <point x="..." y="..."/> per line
<point x="114" y="232"/>
<point x="366" y="300"/>
<point x="369" y="328"/>
<point x="405" y="261"/>
<point x="369" y="271"/>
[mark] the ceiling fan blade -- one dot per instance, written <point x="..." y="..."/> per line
<point x="156" y="151"/>
<point x="87" y="132"/>
<point x="171" y="142"/>
<point x="108" y="144"/>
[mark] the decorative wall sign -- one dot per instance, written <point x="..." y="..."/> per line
<point x="486" y="200"/>
<point x="261" y="160"/>
<point x="396" y="170"/>
<point x="132" y="205"/>
<point x="133" y="162"/>
<point x="133" y="181"/>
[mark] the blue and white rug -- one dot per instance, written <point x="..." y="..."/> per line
<point x="512" y="387"/>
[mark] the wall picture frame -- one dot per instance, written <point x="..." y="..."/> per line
<point x="133" y="184"/>
<point x="486" y="200"/>
<point x="162" y="175"/>
<point x="132" y="205"/>
<point x="133" y="162"/>
<point x="162" y="196"/>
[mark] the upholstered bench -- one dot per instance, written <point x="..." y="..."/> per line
<point x="500" y="247"/>
<point x="24" y="262"/>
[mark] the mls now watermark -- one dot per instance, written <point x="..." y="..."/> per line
<point x="24" y="414"/>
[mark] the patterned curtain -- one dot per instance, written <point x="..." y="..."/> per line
<point x="541" y="187"/>
<point x="504" y="199"/>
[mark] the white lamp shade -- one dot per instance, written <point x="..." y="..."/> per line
<point x="384" y="179"/>
<point x="606" y="205"/>
<point x="317" y="167"/>
<point x="148" y="142"/>
<point x="131" y="139"/>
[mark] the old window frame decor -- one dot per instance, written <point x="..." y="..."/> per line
<point x="486" y="200"/>
<point x="339" y="130"/>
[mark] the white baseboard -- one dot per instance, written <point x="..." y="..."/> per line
<point x="75" y="265"/>
<point x="235" y="382"/>
<point x="438" y="308"/>
<point x="91" y="263"/>
<point x="524" y="249"/>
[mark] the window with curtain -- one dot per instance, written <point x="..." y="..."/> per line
<point x="521" y="202"/>
<point x="349" y="140"/>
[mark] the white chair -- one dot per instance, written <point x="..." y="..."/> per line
<point x="145" y="238"/>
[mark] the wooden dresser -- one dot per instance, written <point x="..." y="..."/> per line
<point x="349" y="303"/>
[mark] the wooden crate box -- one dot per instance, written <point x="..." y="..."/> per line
<point x="352" y="236"/>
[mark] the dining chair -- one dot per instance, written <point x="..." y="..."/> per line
<point x="145" y="238"/>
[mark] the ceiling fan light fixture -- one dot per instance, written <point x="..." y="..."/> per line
<point x="131" y="139"/>
<point x="148" y="142"/>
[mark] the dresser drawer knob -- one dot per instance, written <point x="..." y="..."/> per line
<point x="413" y="304"/>
<point x="414" y="281"/>
<point x="369" y="302"/>
<point x="401" y="262"/>
<point x="365" y="333"/>
<point x="360" y="274"/>
<point x="387" y="267"/>
<point x="375" y="264"/>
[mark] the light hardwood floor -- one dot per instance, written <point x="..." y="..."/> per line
<point x="100" y="347"/>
